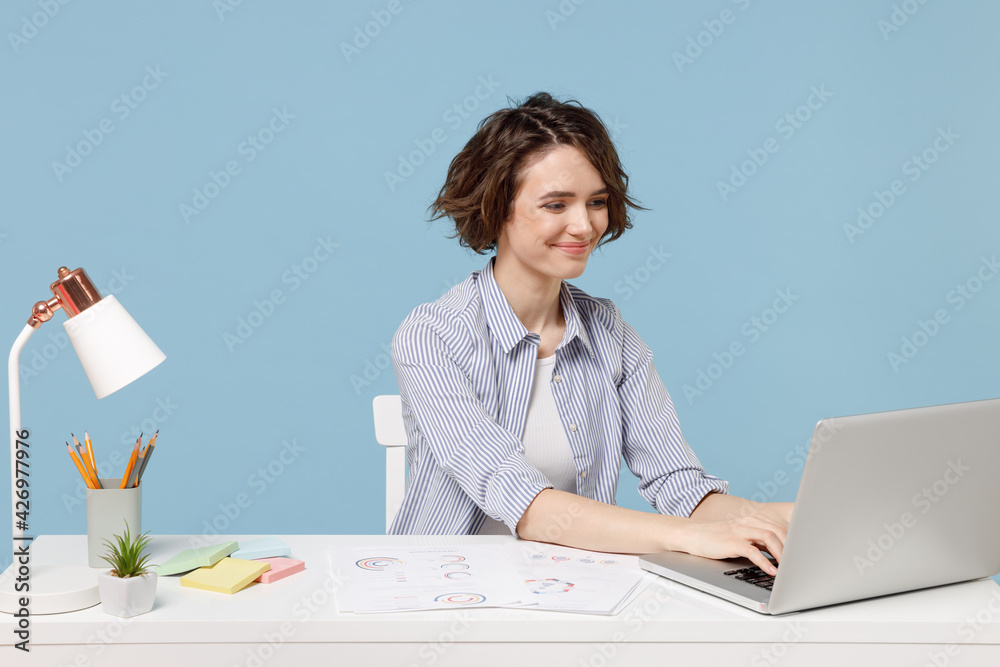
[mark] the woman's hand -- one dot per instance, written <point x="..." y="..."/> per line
<point x="779" y="513"/>
<point x="740" y="527"/>
<point x="733" y="538"/>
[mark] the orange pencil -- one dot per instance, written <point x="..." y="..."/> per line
<point x="131" y="462"/>
<point x="86" y="455"/>
<point x="90" y="453"/>
<point x="79" y="466"/>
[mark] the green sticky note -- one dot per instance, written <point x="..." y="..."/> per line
<point x="192" y="559"/>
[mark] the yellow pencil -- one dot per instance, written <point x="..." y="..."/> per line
<point x="79" y="466"/>
<point x="131" y="462"/>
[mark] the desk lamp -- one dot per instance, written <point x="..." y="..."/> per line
<point x="114" y="351"/>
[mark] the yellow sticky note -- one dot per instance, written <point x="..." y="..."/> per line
<point x="227" y="576"/>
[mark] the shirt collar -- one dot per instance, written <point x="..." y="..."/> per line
<point x="505" y="326"/>
<point x="574" y="326"/>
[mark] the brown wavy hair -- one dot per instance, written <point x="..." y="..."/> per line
<point x="483" y="179"/>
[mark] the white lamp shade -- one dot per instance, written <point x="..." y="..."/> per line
<point x="113" y="349"/>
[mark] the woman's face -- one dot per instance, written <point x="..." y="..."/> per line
<point x="560" y="213"/>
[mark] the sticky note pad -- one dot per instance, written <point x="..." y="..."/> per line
<point x="192" y="559"/>
<point x="280" y="568"/>
<point x="263" y="547"/>
<point x="227" y="576"/>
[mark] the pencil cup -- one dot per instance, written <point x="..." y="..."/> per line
<point x="107" y="511"/>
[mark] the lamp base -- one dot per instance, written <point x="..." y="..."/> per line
<point x="55" y="589"/>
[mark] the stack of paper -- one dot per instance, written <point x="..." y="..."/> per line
<point x="586" y="582"/>
<point x="191" y="559"/>
<point x="523" y="574"/>
<point x="227" y="576"/>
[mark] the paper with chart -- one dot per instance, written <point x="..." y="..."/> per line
<point x="526" y="575"/>
<point x="564" y="579"/>
<point x="402" y="578"/>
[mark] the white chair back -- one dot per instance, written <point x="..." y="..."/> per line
<point x="391" y="434"/>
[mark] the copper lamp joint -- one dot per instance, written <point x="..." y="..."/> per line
<point x="74" y="292"/>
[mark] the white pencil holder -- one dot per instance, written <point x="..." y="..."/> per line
<point x="107" y="511"/>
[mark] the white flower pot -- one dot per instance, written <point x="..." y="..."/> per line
<point x="127" y="597"/>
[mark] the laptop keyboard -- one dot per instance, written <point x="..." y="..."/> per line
<point x="752" y="575"/>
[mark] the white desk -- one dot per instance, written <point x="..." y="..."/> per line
<point x="295" y="622"/>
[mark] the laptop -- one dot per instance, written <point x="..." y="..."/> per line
<point x="889" y="502"/>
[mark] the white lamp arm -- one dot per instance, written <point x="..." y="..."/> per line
<point x="14" y="379"/>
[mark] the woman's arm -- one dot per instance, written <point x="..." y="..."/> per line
<point x="718" y="507"/>
<point x="670" y="476"/>
<point x="462" y="437"/>
<point x="571" y="520"/>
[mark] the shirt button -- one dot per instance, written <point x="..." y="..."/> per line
<point x="557" y="378"/>
<point x="583" y="475"/>
<point x="572" y="427"/>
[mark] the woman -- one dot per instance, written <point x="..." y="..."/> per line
<point x="521" y="393"/>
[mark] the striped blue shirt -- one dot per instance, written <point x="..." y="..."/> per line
<point x="465" y="366"/>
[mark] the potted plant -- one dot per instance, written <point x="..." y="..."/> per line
<point x="128" y="589"/>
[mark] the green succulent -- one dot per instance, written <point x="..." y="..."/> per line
<point x="125" y="556"/>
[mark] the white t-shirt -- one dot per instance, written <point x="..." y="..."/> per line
<point x="545" y="443"/>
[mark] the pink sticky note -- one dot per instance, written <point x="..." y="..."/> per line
<point x="280" y="568"/>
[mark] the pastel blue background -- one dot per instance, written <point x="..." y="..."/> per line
<point x="303" y="381"/>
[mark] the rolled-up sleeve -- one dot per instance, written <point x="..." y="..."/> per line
<point x="671" y="477"/>
<point x="450" y="423"/>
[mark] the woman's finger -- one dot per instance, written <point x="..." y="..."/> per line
<point x="758" y="559"/>
<point x="779" y="531"/>
<point x="772" y="543"/>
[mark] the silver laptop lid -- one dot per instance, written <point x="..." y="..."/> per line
<point x="894" y="501"/>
